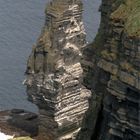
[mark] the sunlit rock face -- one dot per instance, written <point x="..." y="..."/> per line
<point x="54" y="72"/>
<point x="115" y="61"/>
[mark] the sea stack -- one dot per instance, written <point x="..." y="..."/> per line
<point x="54" y="73"/>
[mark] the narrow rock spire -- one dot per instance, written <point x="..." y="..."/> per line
<point x="54" y="72"/>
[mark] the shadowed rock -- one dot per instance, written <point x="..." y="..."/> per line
<point x="19" y="122"/>
<point x="115" y="103"/>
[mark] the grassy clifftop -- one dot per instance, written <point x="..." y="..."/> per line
<point x="22" y="138"/>
<point x="129" y="11"/>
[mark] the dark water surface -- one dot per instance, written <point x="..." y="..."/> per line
<point x="20" y="26"/>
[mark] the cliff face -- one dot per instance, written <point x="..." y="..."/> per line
<point x="121" y="59"/>
<point x="54" y="72"/>
<point x="114" y="108"/>
<point x="62" y="73"/>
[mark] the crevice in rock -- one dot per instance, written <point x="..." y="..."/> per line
<point x="98" y="125"/>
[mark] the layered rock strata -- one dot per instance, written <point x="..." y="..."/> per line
<point x="110" y="69"/>
<point x="54" y="72"/>
<point x="115" y="103"/>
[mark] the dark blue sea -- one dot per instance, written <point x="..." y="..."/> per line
<point x="20" y="25"/>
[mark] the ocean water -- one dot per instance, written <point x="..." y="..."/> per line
<point x="20" y="25"/>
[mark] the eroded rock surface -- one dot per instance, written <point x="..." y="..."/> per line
<point x="61" y="83"/>
<point x="115" y="103"/>
<point x="54" y="72"/>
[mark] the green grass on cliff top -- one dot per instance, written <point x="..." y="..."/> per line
<point x="22" y="138"/>
<point x="129" y="11"/>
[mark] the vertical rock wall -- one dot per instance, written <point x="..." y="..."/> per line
<point x="62" y="73"/>
<point x="115" y="104"/>
<point x="54" y="72"/>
